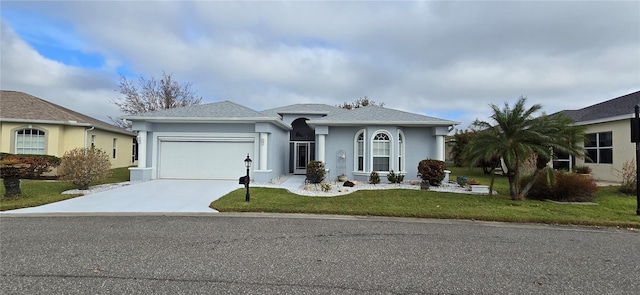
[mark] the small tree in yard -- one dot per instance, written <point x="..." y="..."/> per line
<point x="516" y="135"/>
<point x="82" y="166"/>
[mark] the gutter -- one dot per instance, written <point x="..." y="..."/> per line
<point x="86" y="134"/>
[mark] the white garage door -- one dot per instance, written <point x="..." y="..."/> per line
<point x="203" y="159"/>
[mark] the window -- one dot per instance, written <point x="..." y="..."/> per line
<point x="599" y="146"/>
<point x="30" y="141"/>
<point x="359" y="151"/>
<point x="400" y="150"/>
<point x="93" y="141"/>
<point x="381" y="152"/>
<point x="115" y="144"/>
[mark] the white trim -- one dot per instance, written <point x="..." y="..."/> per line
<point x="402" y="150"/>
<point x="364" y="150"/>
<point x="606" y="120"/>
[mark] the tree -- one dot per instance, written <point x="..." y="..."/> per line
<point x="516" y="136"/>
<point x="147" y="95"/>
<point x="82" y="166"/>
<point x="360" y="102"/>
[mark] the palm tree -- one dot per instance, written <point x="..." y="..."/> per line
<point x="515" y="135"/>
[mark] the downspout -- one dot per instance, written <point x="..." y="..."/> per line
<point x="86" y="134"/>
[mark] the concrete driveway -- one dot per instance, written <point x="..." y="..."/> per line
<point x="150" y="196"/>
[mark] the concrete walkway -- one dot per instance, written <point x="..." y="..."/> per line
<point x="150" y="196"/>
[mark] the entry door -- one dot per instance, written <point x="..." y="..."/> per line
<point x="302" y="155"/>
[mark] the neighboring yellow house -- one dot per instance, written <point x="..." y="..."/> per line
<point x="30" y="125"/>
<point x="608" y="131"/>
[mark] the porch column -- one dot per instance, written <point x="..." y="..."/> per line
<point x="320" y="144"/>
<point x="142" y="149"/>
<point x="264" y="137"/>
<point x="440" y="147"/>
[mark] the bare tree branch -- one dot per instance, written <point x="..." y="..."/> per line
<point x="360" y="102"/>
<point x="148" y="95"/>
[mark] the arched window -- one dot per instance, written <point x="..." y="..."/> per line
<point x="359" y="151"/>
<point x="381" y="152"/>
<point x="30" y="141"/>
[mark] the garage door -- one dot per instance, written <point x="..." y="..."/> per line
<point x="203" y="159"/>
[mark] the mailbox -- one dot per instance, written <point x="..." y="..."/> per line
<point x="243" y="180"/>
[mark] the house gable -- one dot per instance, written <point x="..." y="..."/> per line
<point x="54" y="129"/>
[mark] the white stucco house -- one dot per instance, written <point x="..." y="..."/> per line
<point x="211" y="141"/>
<point x="608" y="132"/>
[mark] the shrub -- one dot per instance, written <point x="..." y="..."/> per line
<point x="33" y="166"/>
<point x="582" y="169"/>
<point x="561" y="186"/>
<point x="81" y="166"/>
<point x="395" y="178"/>
<point x="542" y="188"/>
<point x="374" y="178"/>
<point x="431" y="171"/>
<point x="571" y="187"/>
<point x="629" y="179"/>
<point x="315" y="171"/>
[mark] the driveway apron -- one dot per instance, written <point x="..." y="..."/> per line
<point x="151" y="196"/>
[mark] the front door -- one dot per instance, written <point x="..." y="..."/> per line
<point x="302" y="156"/>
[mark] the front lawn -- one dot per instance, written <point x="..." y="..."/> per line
<point x="613" y="209"/>
<point x="41" y="192"/>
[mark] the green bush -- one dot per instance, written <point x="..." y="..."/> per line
<point x="561" y="186"/>
<point x="395" y="178"/>
<point x="431" y="171"/>
<point x="315" y="171"/>
<point x="81" y="166"/>
<point x="374" y="178"/>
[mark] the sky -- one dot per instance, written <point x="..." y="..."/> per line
<point x="447" y="59"/>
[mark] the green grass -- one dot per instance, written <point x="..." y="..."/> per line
<point x="41" y="192"/>
<point x="613" y="209"/>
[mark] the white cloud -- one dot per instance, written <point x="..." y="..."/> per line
<point x="445" y="58"/>
<point x="24" y="69"/>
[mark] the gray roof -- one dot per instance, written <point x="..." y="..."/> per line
<point x="617" y="107"/>
<point x="306" y="108"/>
<point x="222" y="109"/>
<point x="22" y="107"/>
<point x="376" y="115"/>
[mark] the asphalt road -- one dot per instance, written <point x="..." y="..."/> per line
<point x="301" y="254"/>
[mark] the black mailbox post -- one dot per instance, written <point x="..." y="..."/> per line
<point x="635" y="137"/>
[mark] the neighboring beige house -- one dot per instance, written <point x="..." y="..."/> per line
<point x="608" y="131"/>
<point x="30" y="125"/>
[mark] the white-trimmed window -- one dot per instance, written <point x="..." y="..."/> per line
<point x="30" y="141"/>
<point x="93" y="141"/>
<point x="359" y="150"/>
<point x="400" y="150"/>
<point x="381" y="152"/>
<point x="599" y="146"/>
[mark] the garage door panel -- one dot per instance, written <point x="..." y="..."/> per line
<point x="203" y="159"/>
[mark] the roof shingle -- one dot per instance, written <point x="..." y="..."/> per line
<point x="20" y="106"/>
<point x="619" y="106"/>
